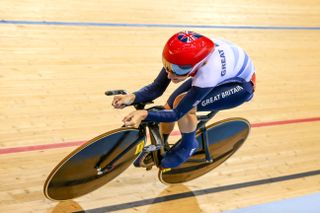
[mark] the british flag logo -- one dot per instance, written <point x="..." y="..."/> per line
<point x="188" y="36"/>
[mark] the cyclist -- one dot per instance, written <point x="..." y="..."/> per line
<point x="215" y="75"/>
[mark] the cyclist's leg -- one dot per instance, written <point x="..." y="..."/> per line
<point x="188" y="143"/>
<point x="227" y="96"/>
<point x="166" y="128"/>
<point x="188" y="123"/>
<point x="222" y="97"/>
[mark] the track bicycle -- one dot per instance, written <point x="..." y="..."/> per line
<point x="100" y="160"/>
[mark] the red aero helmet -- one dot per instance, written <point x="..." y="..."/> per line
<point x="184" y="50"/>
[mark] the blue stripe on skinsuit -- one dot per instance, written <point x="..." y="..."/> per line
<point x="235" y="53"/>
<point x="245" y="62"/>
<point x="246" y="69"/>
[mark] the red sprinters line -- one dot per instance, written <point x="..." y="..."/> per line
<point x="39" y="147"/>
<point x="294" y="121"/>
<point x="174" y="133"/>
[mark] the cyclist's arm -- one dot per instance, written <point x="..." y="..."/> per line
<point x="153" y="90"/>
<point x="190" y="100"/>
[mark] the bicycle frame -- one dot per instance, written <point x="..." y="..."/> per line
<point x="158" y="147"/>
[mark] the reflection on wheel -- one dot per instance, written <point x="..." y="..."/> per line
<point x="225" y="138"/>
<point x="77" y="174"/>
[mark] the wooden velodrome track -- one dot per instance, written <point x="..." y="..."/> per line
<point x="53" y="77"/>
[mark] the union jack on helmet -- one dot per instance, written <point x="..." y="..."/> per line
<point x="184" y="51"/>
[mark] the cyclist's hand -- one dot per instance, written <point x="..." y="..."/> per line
<point x="121" y="101"/>
<point x="134" y="118"/>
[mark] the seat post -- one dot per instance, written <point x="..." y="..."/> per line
<point x="201" y="126"/>
<point x="203" y="119"/>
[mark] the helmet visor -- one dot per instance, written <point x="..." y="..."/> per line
<point x="176" y="69"/>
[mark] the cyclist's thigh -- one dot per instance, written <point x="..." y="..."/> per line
<point x="226" y="96"/>
<point x="181" y="89"/>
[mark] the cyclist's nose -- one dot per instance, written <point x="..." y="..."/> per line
<point x="170" y="75"/>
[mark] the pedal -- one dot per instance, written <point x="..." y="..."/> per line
<point x="145" y="159"/>
<point x="150" y="148"/>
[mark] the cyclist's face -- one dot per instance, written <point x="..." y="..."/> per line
<point x="176" y="78"/>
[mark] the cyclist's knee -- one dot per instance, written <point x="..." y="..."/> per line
<point x="167" y="106"/>
<point x="192" y="112"/>
<point x="178" y="99"/>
